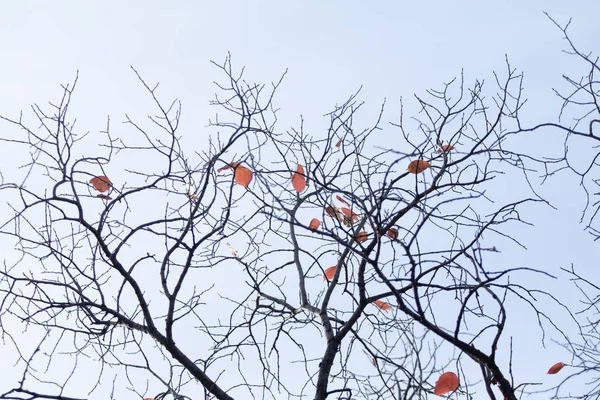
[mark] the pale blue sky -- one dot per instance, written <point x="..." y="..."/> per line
<point x="330" y="48"/>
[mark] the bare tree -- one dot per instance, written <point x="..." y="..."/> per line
<point x="261" y="262"/>
<point x="578" y="123"/>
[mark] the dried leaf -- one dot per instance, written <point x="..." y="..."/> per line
<point x="330" y="273"/>
<point x="314" y="224"/>
<point x="348" y="213"/>
<point x="101" y="183"/>
<point x="341" y="199"/>
<point x="448" y="382"/>
<point x="233" y="251"/>
<point x="392" y="233"/>
<point x="362" y="236"/>
<point x="418" y="166"/>
<point x="104" y="197"/>
<point x="339" y="143"/>
<point x="445" y="148"/>
<point x="190" y="193"/>
<point x="556" y="368"/>
<point x="299" y="180"/>
<point x="383" y="305"/>
<point x="242" y="175"/>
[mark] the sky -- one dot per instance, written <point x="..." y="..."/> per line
<point x="330" y="49"/>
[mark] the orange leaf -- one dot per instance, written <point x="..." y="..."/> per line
<point x="339" y="143"/>
<point x="352" y="216"/>
<point x="314" y="224"/>
<point x="556" y="368"/>
<point x="101" y="183"/>
<point x="392" y="233"/>
<point x="445" y="148"/>
<point x="383" y="305"/>
<point x="330" y="273"/>
<point x="299" y="180"/>
<point x="418" y="166"/>
<point x="447" y="383"/>
<point x="362" y="236"/>
<point x="103" y="196"/>
<point x="242" y="175"/>
<point x="340" y="198"/>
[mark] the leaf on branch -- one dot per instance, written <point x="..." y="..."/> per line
<point x="190" y="193"/>
<point x="299" y="180"/>
<point x="446" y="148"/>
<point x="314" y="224"/>
<point x="351" y="217"/>
<point x="241" y="174"/>
<point x="342" y="200"/>
<point x="335" y="213"/>
<point x="392" y="233"/>
<point x="362" y="236"/>
<point x="418" y="166"/>
<point x="383" y="305"/>
<point x="339" y="143"/>
<point x="447" y="383"/>
<point x="101" y="183"/>
<point x="330" y="273"/>
<point x="556" y="368"/>
<point x="104" y="197"/>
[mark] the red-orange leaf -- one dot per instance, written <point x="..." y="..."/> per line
<point x="556" y="368"/>
<point x="447" y="383"/>
<point x="418" y="166"/>
<point x="101" y="183"/>
<point x="392" y="233"/>
<point x="103" y="196"/>
<point x="242" y="175"/>
<point x="299" y="180"/>
<point x="383" y="305"/>
<point x="330" y="273"/>
<point x="340" y="198"/>
<point x="445" y="148"/>
<point x="362" y="236"/>
<point x="352" y="216"/>
<point x="314" y="224"/>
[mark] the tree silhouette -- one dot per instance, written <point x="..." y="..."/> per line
<point x="190" y="261"/>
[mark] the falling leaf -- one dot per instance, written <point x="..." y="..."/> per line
<point x="314" y="224"/>
<point x="362" y="236"/>
<point x="242" y="175"/>
<point x="233" y="251"/>
<point x="556" y="368"/>
<point x="101" y="183"/>
<point x="445" y="148"/>
<point x="341" y="199"/>
<point x="447" y="383"/>
<point x="339" y="143"/>
<point x="383" y="305"/>
<point x="299" y="180"/>
<point x="418" y="166"/>
<point x="392" y="233"/>
<point x="330" y="273"/>
<point x="104" y="197"/>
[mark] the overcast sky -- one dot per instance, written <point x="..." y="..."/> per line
<point x="329" y="48"/>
